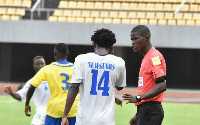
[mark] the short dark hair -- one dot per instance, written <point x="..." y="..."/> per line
<point x="62" y="48"/>
<point x="142" y="30"/>
<point x="104" y="38"/>
<point x="37" y="57"/>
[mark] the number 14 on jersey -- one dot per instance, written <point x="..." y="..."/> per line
<point x="102" y="83"/>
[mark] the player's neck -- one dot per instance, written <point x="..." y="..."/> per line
<point x="101" y="51"/>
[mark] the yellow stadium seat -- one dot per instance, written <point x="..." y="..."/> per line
<point x="141" y="6"/>
<point x="14" y="18"/>
<point x="180" y="22"/>
<point x="150" y="6"/>
<point x="197" y="22"/>
<point x="124" y="6"/>
<point x="143" y="21"/>
<point x="125" y="21"/>
<point x="171" y="22"/>
<point x="104" y="14"/>
<point x="116" y="6"/>
<point x="98" y="20"/>
<point x="5" y="17"/>
<point x="58" y="13"/>
<point x="89" y="5"/>
<point x="150" y="15"/>
<point x="11" y="11"/>
<point x="122" y="14"/>
<point x="152" y="21"/>
<point x="134" y="21"/>
<point x="107" y="5"/>
<point x="132" y="15"/>
<point x="172" y="1"/>
<point x="178" y="16"/>
<point x="158" y="7"/>
<point x="187" y="16"/>
<point x="167" y="7"/>
<point x="89" y="20"/>
<point x="63" y="4"/>
<point x="184" y="8"/>
<point x="67" y="13"/>
<point x="26" y="3"/>
<point x="196" y="16"/>
<point x="81" y="5"/>
<point x="62" y="19"/>
<point x="20" y="12"/>
<point x="76" y="13"/>
<point x="94" y="14"/>
<point x="116" y="21"/>
<point x="141" y="15"/>
<point x="85" y="14"/>
<point x="159" y="15"/>
<point x="107" y="20"/>
<point x="190" y="22"/>
<point x="71" y="19"/>
<point x="17" y="3"/>
<point x="197" y="1"/>
<point x="53" y="19"/>
<point x="8" y="3"/>
<point x="169" y="16"/>
<point x="194" y="8"/>
<point x="72" y="4"/>
<point x="113" y="14"/>
<point x="133" y="6"/>
<point x="175" y="6"/>
<point x="80" y="19"/>
<point x="98" y="5"/>
<point x="2" y="3"/>
<point x="3" y="11"/>
<point x="162" y="22"/>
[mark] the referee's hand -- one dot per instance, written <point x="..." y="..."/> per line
<point x="129" y="97"/>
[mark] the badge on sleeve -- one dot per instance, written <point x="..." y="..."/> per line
<point x="140" y="82"/>
<point x="156" y="60"/>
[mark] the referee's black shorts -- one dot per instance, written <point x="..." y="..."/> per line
<point x="150" y="113"/>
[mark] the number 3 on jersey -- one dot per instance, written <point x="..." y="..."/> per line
<point x="104" y="79"/>
<point x="65" y="81"/>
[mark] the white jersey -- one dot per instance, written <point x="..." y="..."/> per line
<point x="40" y="97"/>
<point x="98" y="75"/>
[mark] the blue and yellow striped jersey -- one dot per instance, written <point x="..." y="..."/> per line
<point x="58" y="74"/>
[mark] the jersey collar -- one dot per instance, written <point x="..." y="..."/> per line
<point x="100" y="54"/>
<point x="63" y="62"/>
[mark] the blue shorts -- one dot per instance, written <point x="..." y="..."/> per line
<point x="57" y="121"/>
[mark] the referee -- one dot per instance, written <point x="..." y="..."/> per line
<point x="151" y="81"/>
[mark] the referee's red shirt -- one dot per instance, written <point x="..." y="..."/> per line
<point x="153" y="66"/>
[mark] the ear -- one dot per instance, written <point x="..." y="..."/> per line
<point x="147" y="37"/>
<point x="94" y="44"/>
<point x="111" y="50"/>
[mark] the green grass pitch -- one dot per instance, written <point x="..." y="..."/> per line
<point x="12" y="113"/>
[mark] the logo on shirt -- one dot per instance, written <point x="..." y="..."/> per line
<point x="156" y="60"/>
<point x="140" y="82"/>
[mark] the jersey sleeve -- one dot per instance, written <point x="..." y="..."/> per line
<point x="22" y="92"/>
<point x="39" y="77"/>
<point x="158" y="66"/>
<point x="77" y="76"/>
<point x="121" y="82"/>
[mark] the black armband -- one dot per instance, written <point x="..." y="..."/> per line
<point x="160" y="79"/>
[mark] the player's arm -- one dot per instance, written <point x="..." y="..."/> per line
<point x="119" y="88"/>
<point x="118" y="101"/>
<point x="28" y="97"/>
<point x="15" y="95"/>
<point x="72" y="93"/>
<point x="133" y="120"/>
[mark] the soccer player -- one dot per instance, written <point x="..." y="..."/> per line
<point x="58" y="74"/>
<point x="97" y="74"/>
<point x="40" y="96"/>
<point x="151" y="81"/>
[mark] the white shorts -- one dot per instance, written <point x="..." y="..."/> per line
<point x="38" y="119"/>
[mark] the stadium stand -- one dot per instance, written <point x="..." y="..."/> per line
<point x="153" y="12"/>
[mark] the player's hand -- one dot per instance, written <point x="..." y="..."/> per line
<point x="8" y="90"/>
<point x="130" y="98"/>
<point x="118" y="101"/>
<point x="65" y="121"/>
<point x="133" y="121"/>
<point x="27" y="110"/>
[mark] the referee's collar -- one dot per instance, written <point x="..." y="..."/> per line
<point x="100" y="54"/>
<point x="63" y="62"/>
